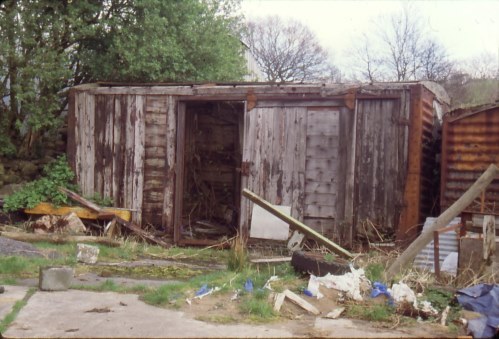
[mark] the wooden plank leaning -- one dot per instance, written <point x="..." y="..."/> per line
<point x="104" y="214"/>
<point x="443" y="220"/>
<point x="297" y="225"/>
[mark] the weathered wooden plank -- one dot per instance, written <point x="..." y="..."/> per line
<point x="138" y="160"/>
<point x="322" y="199"/>
<point x="327" y="141"/>
<point x="320" y="211"/>
<point x="296" y="224"/>
<point x="322" y="152"/>
<point x="88" y="161"/>
<point x="155" y="119"/>
<point x="119" y="135"/>
<point x="170" y="142"/>
<point x="155" y="151"/>
<point x="179" y="170"/>
<point x="156" y="104"/>
<point x="108" y="148"/>
<point x="329" y="176"/>
<point x="329" y="164"/>
<point x="322" y="225"/>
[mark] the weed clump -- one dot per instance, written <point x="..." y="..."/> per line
<point x="238" y="255"/>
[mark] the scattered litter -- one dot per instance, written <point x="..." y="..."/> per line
<point x="403" y="293"/>
<point x="235" y="296"/>
<point x="187" y="300"/>
<point x="301" y="302"/>
<point x="445" y="313"/>
<point x="481" y="298"/>
<point x="449" y="265"/>
<point x="278" y="300"/>
<point x="308" y="293"/>
<point x="380" y="289"/>
<point x="312" y="289"/>
<point x="335" y="313"/>
<point x="202" y="290"/>
<point x="248" y="285"/>
<point x="267" y="284"/>
<point x="427" y="308"/>
<point x="348" y="282"/>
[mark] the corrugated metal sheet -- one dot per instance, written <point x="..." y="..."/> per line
<point x="448" y="243"/>
<point x="470" y="145"/>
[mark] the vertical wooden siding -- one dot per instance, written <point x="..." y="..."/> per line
<point x="321" y="169"/>
<point x="108" y="136"/>
<point x="380" y="161"/>
<point x="470" y="145"/>
<point x="274" y="146"/>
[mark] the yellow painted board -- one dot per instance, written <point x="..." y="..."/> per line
<point x="82" y="212"/>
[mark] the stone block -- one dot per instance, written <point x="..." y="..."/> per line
<point x="87" y="253"/>
<point x="55" y="278"/>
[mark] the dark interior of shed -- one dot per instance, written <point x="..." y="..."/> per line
<point x="212" y="177"/>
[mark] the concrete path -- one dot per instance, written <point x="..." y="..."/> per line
<point x="86" y="314"/>
<point x="11" y="295"/>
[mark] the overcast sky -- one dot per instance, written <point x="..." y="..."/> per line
<point x="465" y="28"/>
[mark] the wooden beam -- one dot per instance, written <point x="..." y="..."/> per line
<point x="59" y="238"/>
<point x="301" y="302"/>
<point x="443" y="220"/>
<point x="81" y="212"/>
<point x="296" y="224"/>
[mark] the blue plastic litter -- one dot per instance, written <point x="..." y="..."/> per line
<point x="248" y="285"/>
<point x="381" y="289"/>
<point x="202" y="290"/>
<point x="307" y="293"/>
<point x="483" y="299"/>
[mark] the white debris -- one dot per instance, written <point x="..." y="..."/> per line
<point x="426" y="307"/>
<point x="348" y="282"/>
<point x="449" y="265"/>
<point x="267" y="284"/>
<point x="403" y="293"/>
<point x="335" y="313"/>
<point x="313" y="287"/>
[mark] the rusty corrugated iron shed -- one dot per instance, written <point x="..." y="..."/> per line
<point x="470" y="144"/>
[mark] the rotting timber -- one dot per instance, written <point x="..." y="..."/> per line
<point x="326" y="150"/>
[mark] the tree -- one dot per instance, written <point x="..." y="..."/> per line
<point x="287" y="51"/>
<point x="401" y="49"/>
<point x="47" y="46"/>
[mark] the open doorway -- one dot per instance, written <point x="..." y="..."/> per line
<point x="211" y="183"/>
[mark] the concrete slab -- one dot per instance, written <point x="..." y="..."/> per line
<point x="86" y="314"/>
<point x="11" y="295"/>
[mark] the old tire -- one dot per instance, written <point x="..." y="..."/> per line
<point x="314" y="263"/>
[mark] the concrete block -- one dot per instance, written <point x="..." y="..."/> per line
<point x="55" y="278"/>
<point x="87" y="253"/>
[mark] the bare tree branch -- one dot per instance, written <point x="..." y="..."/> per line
<point x="288" y="51"/>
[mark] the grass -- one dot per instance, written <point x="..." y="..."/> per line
<point x="9" y="318"/>
<point x="374" y="312"/>
<point x="238" y="255"/>
<point x="374" y="272"/>
<point x="111" y="286"/>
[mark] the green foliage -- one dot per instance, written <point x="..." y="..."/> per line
<point x="46" y="189"/>
<point x="164" y="294"/>
<point x="439" y="298"/>
<point x="48" y="46"/>
<point x="100" y="200"/>
<point x="258" y="309"/>
<point x="374" y="272"/>
<point x="375" y="312"/>
<point x="329" y="257"/>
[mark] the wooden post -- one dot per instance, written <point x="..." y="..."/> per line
<point x="489" y="236"/>
<point x="295" y="224"/>
<point x="443" y="220"/>
<point x="436" y="253"/>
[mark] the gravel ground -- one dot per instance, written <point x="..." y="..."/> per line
<point x="13" y="247"/>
